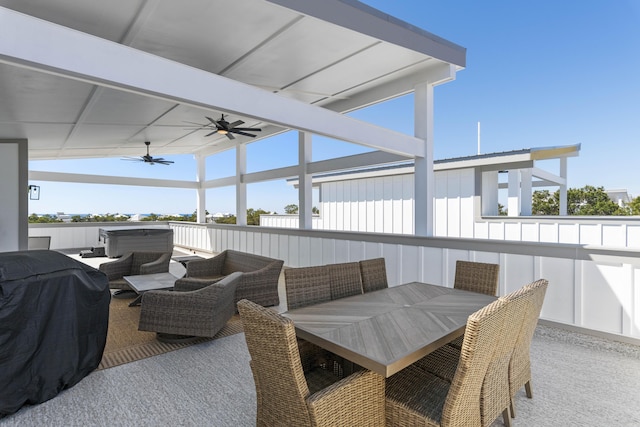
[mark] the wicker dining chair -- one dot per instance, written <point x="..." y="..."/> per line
<point x="287" y="395"/>
<point x="374" y="274"/>
<point x="495" y="399"/>
<point x="308" y="286"/>
<point x="477" y="277"/>
<point x="344" y="279"/>
<point x="417" y="397"/>
<point x="520" y="364"/>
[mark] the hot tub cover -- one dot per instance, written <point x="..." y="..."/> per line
<point x="54" y="314"/>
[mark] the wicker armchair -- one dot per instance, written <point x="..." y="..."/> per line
<point x="417" y="397"/>
<point x="259" y="281"/>
<point x="289" y="396"/>
<point x="475" y="277"/>
<point x="133" y="264"/>
<point x="199" y="313"/>
<point x="374" y="274"/>
<point x="520" y="364"/>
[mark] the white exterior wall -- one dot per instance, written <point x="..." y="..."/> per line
<point x="386" y="204"/>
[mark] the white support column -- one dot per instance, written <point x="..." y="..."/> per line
<point x="201" y="194"/>
<point x="563" y="187"/>
<point x="489" y="195"/>
<point x="305" y="189"/>
<point x="513" y="201"/>
<point x="424" y="176"/>
<point x="241" y="187"/>
<point x="526" y="192"/>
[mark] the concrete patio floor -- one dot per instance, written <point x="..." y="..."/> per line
<point x="578" y="380"/>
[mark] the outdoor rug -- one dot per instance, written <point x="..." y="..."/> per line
<point x="126" y="344"/>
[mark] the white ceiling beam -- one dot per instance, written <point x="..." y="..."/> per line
<point x="436" y="74"/>
<point x="548" y="176"/>
<point x="109" y="180"/>
<point x="43" y="46"/>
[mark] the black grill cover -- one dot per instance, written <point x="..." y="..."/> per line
<point x="54" y="314"/>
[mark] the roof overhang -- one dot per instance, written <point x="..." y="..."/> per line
<point x="98" y="80"/>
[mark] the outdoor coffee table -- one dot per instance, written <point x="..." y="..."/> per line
<point x="149" y="282"/>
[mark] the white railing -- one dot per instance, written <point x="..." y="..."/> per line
<point x="590" y="287"/>
<point x="616" y="232"/>
<point x="612" y="232"/>
<point x="82" y="235"/>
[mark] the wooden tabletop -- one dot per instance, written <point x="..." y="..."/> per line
<point x="387" y="330"/>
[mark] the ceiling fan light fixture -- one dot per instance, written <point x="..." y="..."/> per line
<point x="223" y="131"/>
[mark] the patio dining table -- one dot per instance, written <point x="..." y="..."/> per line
<point x="387" y="330"/>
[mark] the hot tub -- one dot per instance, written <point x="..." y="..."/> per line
<point x="120" y="240"/>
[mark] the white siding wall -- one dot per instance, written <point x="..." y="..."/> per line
<point x="386" y="204"/>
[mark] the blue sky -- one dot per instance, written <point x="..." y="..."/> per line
<point x="538" y="74"/>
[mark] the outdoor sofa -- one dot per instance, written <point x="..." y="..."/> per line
<point x="258" y="283"/>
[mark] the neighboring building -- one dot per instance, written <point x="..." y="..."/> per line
<point x="620" y="197"/>
<point x="381" y="199"/>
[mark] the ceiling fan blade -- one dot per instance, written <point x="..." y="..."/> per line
<point x="209" y="134"/>
<point x="241" y="133"/>
<point x="132" y="159"/>
<point x="236" y="123"/>
<point x="249" y="129"/>
<point x="230" y="136"/>
<point x="194" y="123"/>
<point x="211" y="120"/>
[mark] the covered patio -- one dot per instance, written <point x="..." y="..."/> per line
<point x="98" y="80"/>
<point x="578" y="380"/>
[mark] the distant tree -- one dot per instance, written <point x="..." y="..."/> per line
<point x="634" y="206"/>
<point x="34" y="218"/>
<point x="253" y="216"/>
<point x="194" y="216"/>
<point x="291" y="209"/>
<point x="545" y="203"/>
<point x="231" y="219"/>
<point x="588" y="200"/>
<point x="501" y="210"/>
<point x="151" y="217"/>
<point x="591" y="200"/>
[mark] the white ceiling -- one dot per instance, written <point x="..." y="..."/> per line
<point x="338" y="54"/>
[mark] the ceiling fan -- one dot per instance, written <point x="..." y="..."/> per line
<point x="148" y="158"/>
<point x="223" y="127"/>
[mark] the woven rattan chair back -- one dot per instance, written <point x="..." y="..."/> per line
<point x="495" y="398"/>
<point x="140" y="258"/>
<point x="520" y="363"/>
<point x="374" y="274"/>
<point x="344" y="279"/>
<point x="483" y="332"/>
<point x="306" y="286"/>
<point x="281" y="387"/>
<point x="477" y="277"/>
